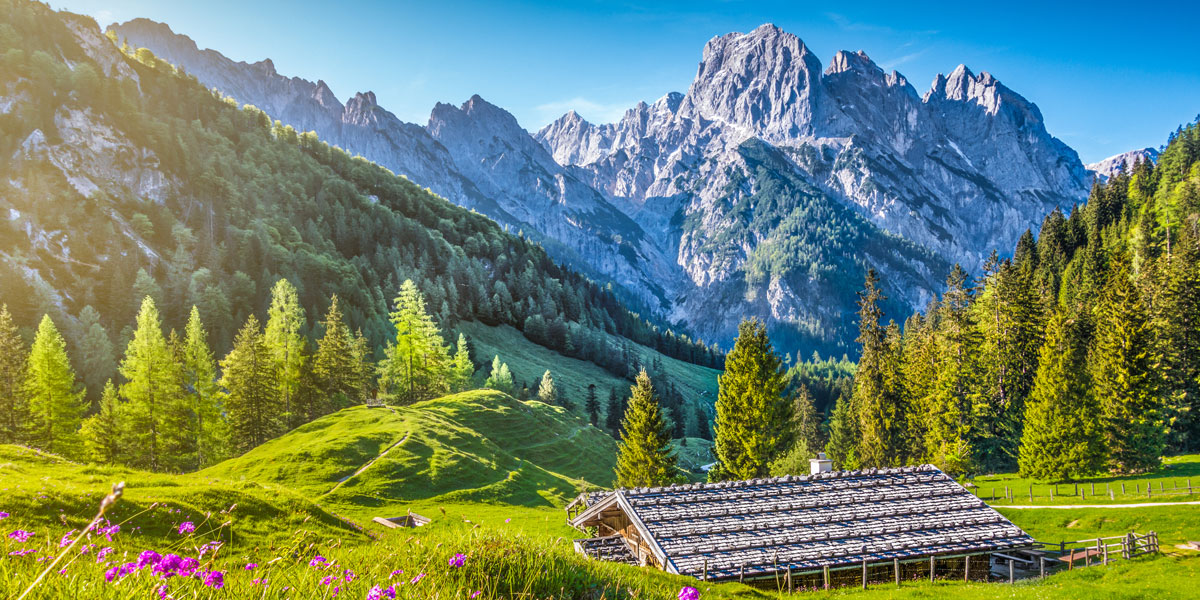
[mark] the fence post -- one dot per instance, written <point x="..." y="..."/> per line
<point x="789" y="578"/>
<point x="825" y="571"/>
<point x="967" y="568"/>
<point x="1093" y="488"/>
<point x="896" y="568"/>
<point x="1041" y="567"/>
<point x="1011" y="574"/>
<point x="1052" y="494"/>
<point x="1007" y="493"/>
<point x="864" y="572"/>
<point x="1111" y="495"/>
<point x="1031" y="493"/>
<point x="1106" y="554"/>
<point x="742" y="573"/>
<point x="1122" y="488"/>
<point x="994" y="492"/>
<point x="705" y="569"/>
<point x="1077" y="489"/>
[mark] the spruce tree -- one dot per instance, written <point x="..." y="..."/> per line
<point x="56" y="404"/>
<point x="417" y="365"/>
<point x="644" y="454"/>
<point x="842" y="446"/>
<point x="462" y="368"/>
<point x="613" y="413"/>
<point x="285" y="321"/>
<point x="151" y="384"/>
<point x="592" y="405"/>
<point x="180" y="425"/>
<point x="334" y="368"/>
<point x="546" y="391"/>
<point x="14" y="400"/>
<point x="364" y="368"/>
<point x="882" y="412"/>
<point x="806" y="437"/>
<point x="956" y="390"/>
<point x="1124" y="368"/>
<point x="253" y="404"/>
<point x="1061" y="436"/>
<point x="500" y="378"/>
<point x="102" y="433"/>
<point x="703" y="429"/>
<point x="752" y="414"/>
<point x="96" y="355"/>
<point x="211" y="433"/>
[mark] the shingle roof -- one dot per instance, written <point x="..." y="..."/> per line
<point x="611" y="548"/>
<point x="807" y="522"/>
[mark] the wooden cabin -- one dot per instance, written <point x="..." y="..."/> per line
<point x="801" y="526"/>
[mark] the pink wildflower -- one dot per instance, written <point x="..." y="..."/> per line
<point x="21" y="535"/>
<point x="418" y="578"/>
<point x="66" y="539"/>
<point x="186" y="527"/>
<point x="689" y="593"/>
<point x="251" y="566"/>
<point x="458" y="560"/>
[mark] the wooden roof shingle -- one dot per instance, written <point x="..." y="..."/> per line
<point x="809" y="522"/>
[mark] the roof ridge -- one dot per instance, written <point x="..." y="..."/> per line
<point x="923" y="468"/>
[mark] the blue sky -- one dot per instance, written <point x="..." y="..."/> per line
<point x="1108" y="77"/>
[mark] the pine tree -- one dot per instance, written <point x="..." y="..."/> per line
<point x="14" y="401"/>
<point x="56" y="404"/>
<point x="613" y="413"/>
<point x="546" y="391"/>
<point x="462" y="369"/>
<point x="644" y="454"/>
<point x="151" y="385"/>
<point x="285" y="321"/>
<point x="364" y="369"/>
<point x="102" y="432"/>
<point x="592" y="405"/>
<point x="703" y="429"/>
<point x="417" y="365"/>
<point x="1124" y="368"/>
<point x="249" y="376"/>
<point x="500" y="378"/>
<point x="752" y="414"/>
<point x="334" y="367"/>
<point x="842" y="446"/>
<point x="180" y="425"/>
<point x="211" y="433"/>
<point x="1061" y="434"/>
<point x="882" y="412"/>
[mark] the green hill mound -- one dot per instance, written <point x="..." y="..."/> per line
<point x="38" y="487"/>
<point x="479" y="446"/>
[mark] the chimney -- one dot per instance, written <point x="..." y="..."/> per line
<point x="820" y="464"/>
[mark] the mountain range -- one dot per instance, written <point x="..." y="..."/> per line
<point x="767" y="189"/>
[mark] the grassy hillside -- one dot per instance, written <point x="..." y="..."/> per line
<point x="528" y="361"/>
<point x="480" y="446"/>
<point x="1167" y="484"/>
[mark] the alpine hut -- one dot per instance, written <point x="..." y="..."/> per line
<point x="915" y="518"/>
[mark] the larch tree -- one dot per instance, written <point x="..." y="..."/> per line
<point x="285" y="322"/>
<point x="1061" y="436"/>
<point x="249" y="372"/>
<point x="752" y="414"/>
<point x="151" y="383"/>
<point x="644" y="454"/>
<point x="500" y="378"/>
<point x="334" y="367"/>
<point x="1124" y="367"/>
<point x="14" y="400"/>
<point x="463" y="369"/>
<point x="417" y="364"/>
<point x="102" y="433"/>
<point x="546" y="391"/>
<point x="211" y="433"/>
<point x="56" y="403"/>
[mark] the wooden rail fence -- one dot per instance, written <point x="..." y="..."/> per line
<point x="1084" y="491"/>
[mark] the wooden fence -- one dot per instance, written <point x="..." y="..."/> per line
<point x="1101" y="551"/>
<point x="1109" y="491"/>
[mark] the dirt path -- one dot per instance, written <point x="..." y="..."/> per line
<point x="366" y="466"/>
<point x="1138" y="505"/>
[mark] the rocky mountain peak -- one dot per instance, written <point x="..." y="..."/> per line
<point x="1122" y="163"/>
<point x="765" y="82"/>
<point x="857" y="62"/>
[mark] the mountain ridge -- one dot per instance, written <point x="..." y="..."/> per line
<point x="646" y="201"/>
